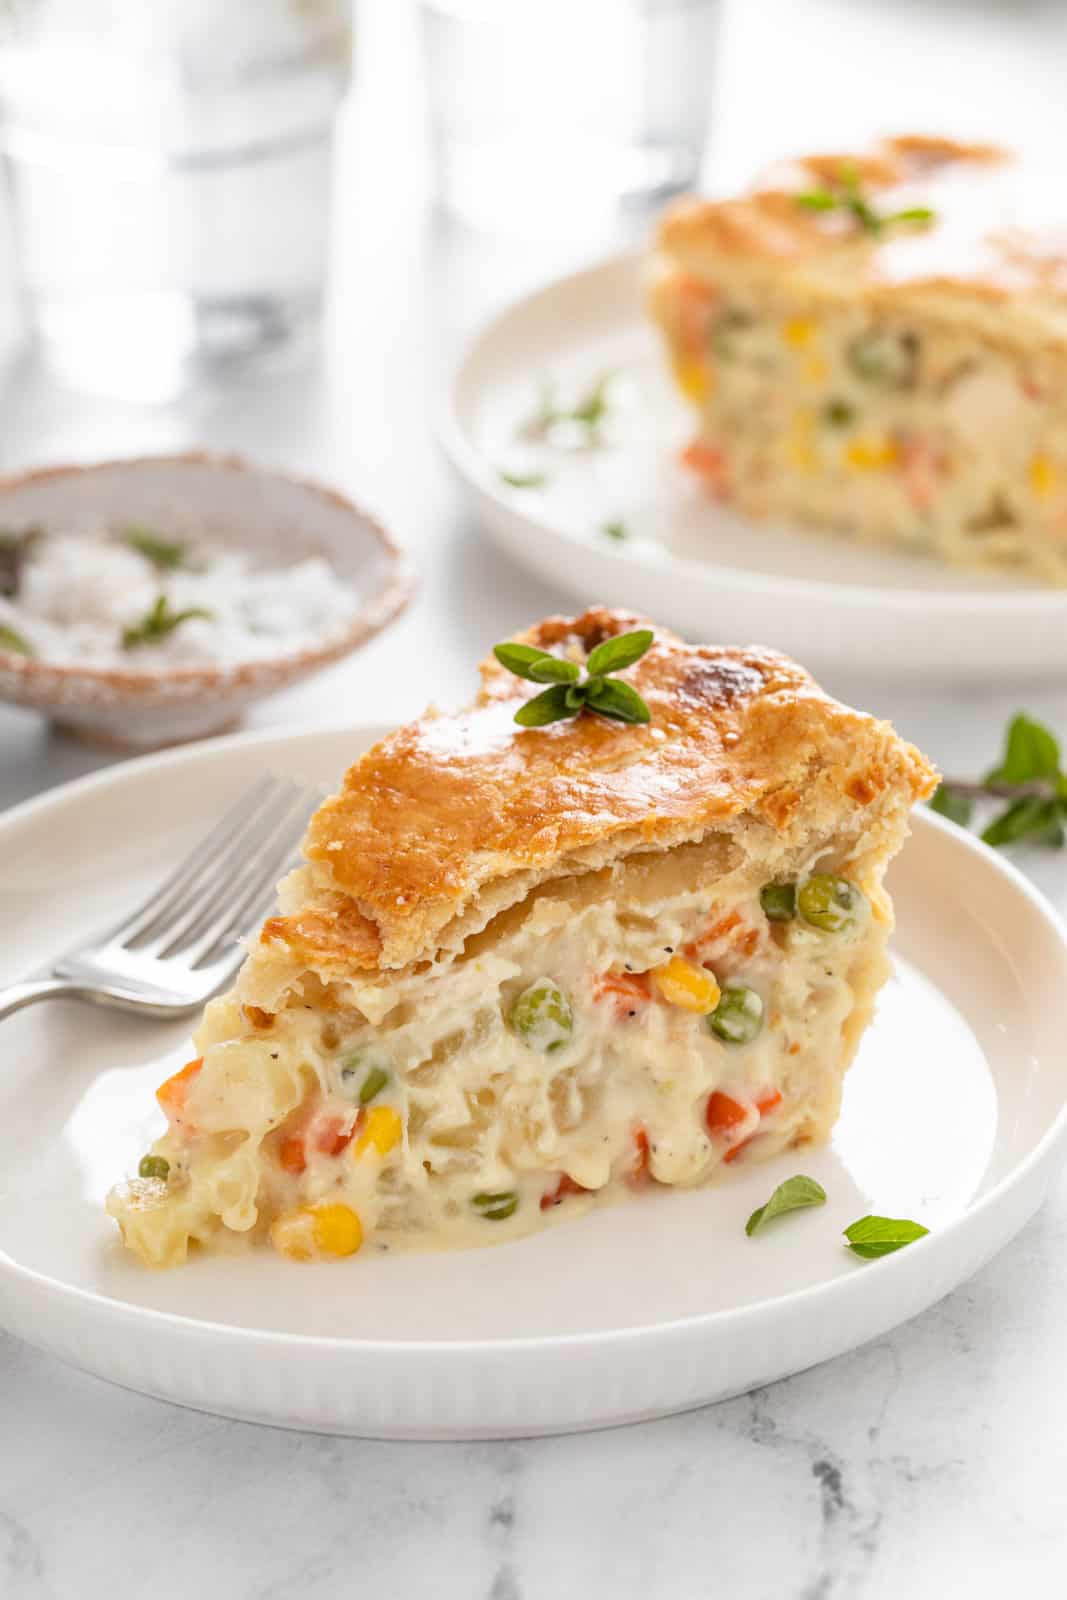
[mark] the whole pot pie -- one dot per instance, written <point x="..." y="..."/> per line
<point x="876" y="343"/>
<point x="523" y="971"/>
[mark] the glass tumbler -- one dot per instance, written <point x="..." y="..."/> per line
<point x="550" y="113"/>
<point x="169" y="167"/>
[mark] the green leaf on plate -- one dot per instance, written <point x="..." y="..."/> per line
<point x="948" y="803"/>
<point x="795" y="1194"/>
<point x="871" y="1237"/>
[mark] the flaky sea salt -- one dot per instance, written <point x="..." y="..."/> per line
<point x="77" y="595"/>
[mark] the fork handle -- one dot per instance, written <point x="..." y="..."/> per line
<point x="24" y="994"/>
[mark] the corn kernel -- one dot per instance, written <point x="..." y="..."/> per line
<point x="383" y="1130"/>
<point x="692" y="377"/>
<point x="799" y="332"/>
<point x="337" y="1230"/>
<point x="1044" y="476"/>
<point x="872" y="453"/>
<point x="316" y="1231"/>
<point x="681" y="983"/>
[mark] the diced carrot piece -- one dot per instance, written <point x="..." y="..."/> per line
<point x="695" y="300"/>
<point x="330" y="1136"/>
<point x="627" y="991"/>
<point x="171" y="1094"/>
<point x="723" y="1113"/>
<point x="731" y="930"/>
<point x="922" y="468"/>
<point x="291" y="1153"/>
<point x="640" y="1170"/>
<point x="709" y="461"/>
<point x="564" y="1187"/>
<point x="327" y="1135"/>
<point x="765" y="1103"/>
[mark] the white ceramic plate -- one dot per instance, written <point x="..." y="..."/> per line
<point x="954" y="1114"/>
<point x="688" y="561"/>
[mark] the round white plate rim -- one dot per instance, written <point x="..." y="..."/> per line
<point x="728" y="1320"/>
<point x="474" y="470"/>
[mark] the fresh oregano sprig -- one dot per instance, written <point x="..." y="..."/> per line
<point x="587" y="414"/>
<point x="1029" y="776"/>
<point x="847" y="195"/>
<point x="159" y="622"/>
<point x="569" y="693"/>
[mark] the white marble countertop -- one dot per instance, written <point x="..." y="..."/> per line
<point x="929" y="1464"/>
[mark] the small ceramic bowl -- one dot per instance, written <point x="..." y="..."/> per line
<point x="230" y="502"/>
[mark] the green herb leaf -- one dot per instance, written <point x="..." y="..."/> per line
<point x="519" y="658"/>
<point x="554" y="670"/>
<point x="947" y="802"/>
<point x="912" y="214"/>
<point x="523" y="480"/>
<point x="871" y="1237"/>
<point x="614" y="530"/>
<point x="588" y="412"/>
<point x="14" y="548"/>
<point x="550" y="706"/>
<point x="618" y="701"/>
<point x="568" y="696"/>
<point x="593" y="407"/>
<point x="818" y="200"/>
<point x="1034" y="819"/>
<point x="167" y="555"/>
<point x="160" y="622"/>
<point x="792" y="1195"/>
<point x="1030" y="751"/>
<point x="10" y="640"/>
<point x="847" y="195"/>
<point x="620" y="652"/>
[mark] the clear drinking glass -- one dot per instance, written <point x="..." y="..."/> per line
<point x="549" y="112"/>
<point x="169" y="165"/>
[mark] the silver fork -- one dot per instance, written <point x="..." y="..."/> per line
<point x="167" y="957"/>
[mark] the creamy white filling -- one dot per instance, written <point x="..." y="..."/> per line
<point x="622" y="1099"/>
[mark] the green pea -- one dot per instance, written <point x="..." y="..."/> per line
<point x="779" y="901"/>
<point x="542" y="1014"/>
<point x="362" y="1065"/>
<point x="829" y="903"/>
<point x="372" y="1085"/>
<point x="497" y="1206"/>
<point x="883" y="357"/>
<point x="153" y="1167"/>
<point x="838" y="413"/>
<point x="738" y="1017"/>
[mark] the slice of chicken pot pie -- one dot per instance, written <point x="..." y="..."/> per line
<point x="527" y="969"/>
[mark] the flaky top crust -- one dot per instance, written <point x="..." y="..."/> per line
<point x="451" y="807"/>
<point x="992" y="246"/>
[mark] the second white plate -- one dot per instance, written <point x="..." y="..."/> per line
<point x="685" y="560"/>
<point x="954" y="1114"/>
